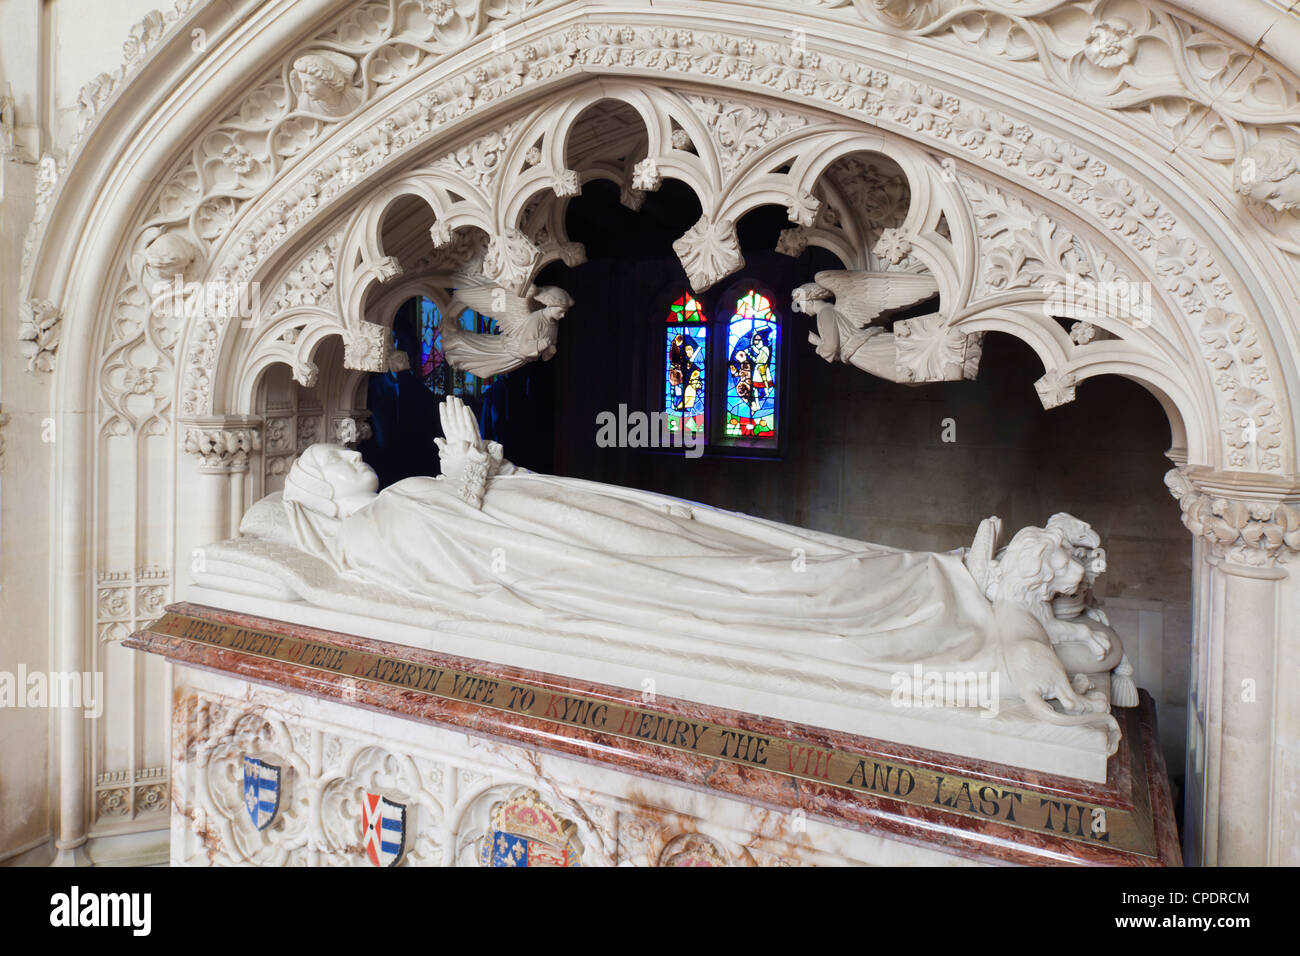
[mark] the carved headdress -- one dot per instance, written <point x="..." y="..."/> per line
<point x="310" y="504"/>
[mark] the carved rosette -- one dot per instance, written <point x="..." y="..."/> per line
<point x="1256" y="532"/>
<point x="646" y="177"/>
<point x="1056" y="388"/>
<point x="223" y="447"/>
<point x="369" y="349"/>
<point x="928" y="350"/>
<point x="709" y="252"/>
<point x="803" y="208"/>
<point x="792" y="241"/>
<point x="894" y="245"/>
<point x="567" y="183"/>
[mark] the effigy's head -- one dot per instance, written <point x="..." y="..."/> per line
<point x="325" y="475"/>
<point x="1037" y="565"/>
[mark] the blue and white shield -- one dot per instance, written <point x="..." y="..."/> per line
<point x="384" y="825"/>
<point x="261" y="791"/>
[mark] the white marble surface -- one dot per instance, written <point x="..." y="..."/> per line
<point x="745" y="681"/>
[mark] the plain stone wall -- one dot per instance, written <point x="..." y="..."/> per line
<point x="24" y="544"/>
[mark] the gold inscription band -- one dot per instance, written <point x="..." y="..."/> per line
<point x="1116" y="828"/>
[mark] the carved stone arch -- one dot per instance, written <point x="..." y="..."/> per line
<point x="1167" y="391"/>
<point x="1050" y="246"/>
<point x="712" y="237"/>
<point x="299" y="355"/>
<point x="1065" y="367"/>
<point x="886" y="66"/>
<point x="384" y="309"/>
<point x="658" y="108"/>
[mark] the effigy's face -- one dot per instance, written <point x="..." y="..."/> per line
<point x="348" y="475"/>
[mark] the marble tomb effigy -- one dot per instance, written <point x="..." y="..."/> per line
<point x="498" y="667"/>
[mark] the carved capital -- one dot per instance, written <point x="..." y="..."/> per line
<point x="709" y="252"/>
<point x="441" y="234"/>
<point x="388" y="268"/>
<point x="1247" y="520"/>
<point x="631" y="197"/>
<point x="306" y="373"/>
<point x="572" y="253"/>
<point x="222" y="445"/>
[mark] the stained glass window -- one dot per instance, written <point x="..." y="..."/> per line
<point x="438" y="374"/>
<point x="752" y="340"/>
<point x="684" y="374"/>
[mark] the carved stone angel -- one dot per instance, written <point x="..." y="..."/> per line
<point x="529" y="328"/>
<point x="921" y="349"/>
<point x="844" y="327"/>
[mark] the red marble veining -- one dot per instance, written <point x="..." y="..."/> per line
<point x="932" y="827"/>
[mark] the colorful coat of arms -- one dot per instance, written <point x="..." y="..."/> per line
<point x="526" y="832"/>
<point x="384" y="825"/>
<point x="261" y="791"/>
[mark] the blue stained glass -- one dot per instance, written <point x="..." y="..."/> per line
<point x="684" y="394"/>
<point x="684" y="367"/>
<point x="437" y="373"/>
<point x="752" y="340"/>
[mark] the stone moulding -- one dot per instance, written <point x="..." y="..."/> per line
<point x="1146" y="236"/>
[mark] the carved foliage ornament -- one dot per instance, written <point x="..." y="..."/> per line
<point x="1253" y="533"/>
<point x="709" y="252"/>
<point x="928" y="350"/>
<point x="222" y="448"/>
<point x="39" y="329"/>
<point x="1141" y="221"/>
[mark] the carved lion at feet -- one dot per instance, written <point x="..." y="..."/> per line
<point x="1039" y="565"/>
